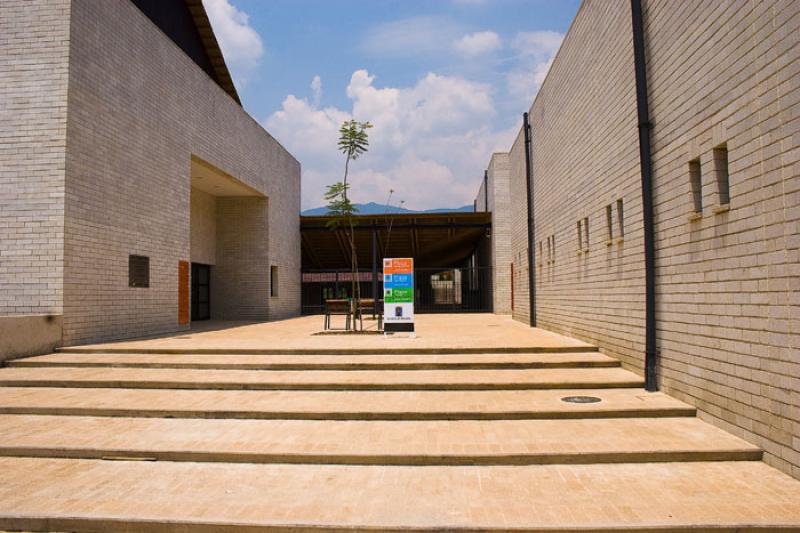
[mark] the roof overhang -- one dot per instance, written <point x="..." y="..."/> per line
<point x="214" y="52"/>
<point x="434" y="240"/>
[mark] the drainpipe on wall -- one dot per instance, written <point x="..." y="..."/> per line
<point x="531" y="229"/>
<point x="486" y="190"/>
<point x="643" y="110"/>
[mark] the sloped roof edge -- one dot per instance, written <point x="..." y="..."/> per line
<point x="214" y="52"/>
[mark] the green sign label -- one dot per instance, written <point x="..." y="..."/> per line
<point x="399" y="295"/>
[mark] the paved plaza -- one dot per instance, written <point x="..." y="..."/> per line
<point x="272" y="426"/>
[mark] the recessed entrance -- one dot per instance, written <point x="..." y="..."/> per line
<point x="201" y="292"/>
<point x="229" y="239"/>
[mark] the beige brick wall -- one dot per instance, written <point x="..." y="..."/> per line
<point x="727" y="282"/>
<point x="518" y="193"/>
<point x="500" y="241"/>
<point x="584" y="158"/>
<point x="203" y="227"/>
<point x="239" y="288"/>
<point x="34" y="49"/>
<point x="139" y="108"/>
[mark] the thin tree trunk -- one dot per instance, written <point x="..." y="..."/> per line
<point x="355" y="288"/>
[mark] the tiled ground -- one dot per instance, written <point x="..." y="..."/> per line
<point x="373" y="442"/>
<point x="546" y="378"/>
<point x="415" y="405"/>
<point x="115" y="495"/>
<point x="163" y="441"/>
<point x="434" y="332"/>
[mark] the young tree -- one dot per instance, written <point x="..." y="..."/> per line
<point x="353" y="142"/>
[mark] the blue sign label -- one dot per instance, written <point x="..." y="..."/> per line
<point x="399" y="281"/>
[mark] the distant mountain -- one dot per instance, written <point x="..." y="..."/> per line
<point x="373" y="208"/>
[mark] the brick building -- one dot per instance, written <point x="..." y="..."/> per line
<point x="723" y="91"/>
<point x="135" y="191"/>
<point x="495" y="251"/>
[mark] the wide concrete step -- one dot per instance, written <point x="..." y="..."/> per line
<point x="91" y="495"/>
<point x="495" y="442"/>
<point x="340" y="405"/>
<point x="545" y="378"/>
<point x="322" y="362"/>
<point x="323" y="347"/>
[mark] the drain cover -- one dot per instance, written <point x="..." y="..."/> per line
<point x="580" y="399"/>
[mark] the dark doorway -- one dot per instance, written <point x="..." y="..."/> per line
<point x="201" y="292"/>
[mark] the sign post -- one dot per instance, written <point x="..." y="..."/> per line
<point x="398" y="295"/>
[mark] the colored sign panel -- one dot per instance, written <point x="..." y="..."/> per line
<point x="398" y="292"/>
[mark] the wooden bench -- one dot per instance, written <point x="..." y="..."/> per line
<point x="337" y="307"/>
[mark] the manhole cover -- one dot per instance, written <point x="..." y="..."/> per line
<point x="580" y="399"/>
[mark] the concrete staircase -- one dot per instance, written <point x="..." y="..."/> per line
<point x="350" y="441"/>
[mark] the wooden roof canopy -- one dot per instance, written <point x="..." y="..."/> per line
<point x="434" y="240"/>
<point x="221" y="73"/>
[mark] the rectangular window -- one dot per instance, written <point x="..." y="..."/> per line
<point x="586" y="234"/>
<point x="553" y="239"/>
<point x="695" y="180"/>
<point x="620" y="220"/>
<point x="541" y="253"/>
<point x="273" y="281"/>
<point x="721" y="173"/>
<point x="549" y="251"/>
<point x="138" y="271"/>
<point x="609" y="224"/>
<point x="580" y="236"/>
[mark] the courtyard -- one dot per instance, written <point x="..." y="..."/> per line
<point x="554" y="289"/>
<point x="245" y="426"/>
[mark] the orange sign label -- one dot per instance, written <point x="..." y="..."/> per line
<point x="398" y="266"/>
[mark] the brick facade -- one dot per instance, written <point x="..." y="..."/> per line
<point x="34" y="51"/>
<point x="723" y="86"/>
<point x="499" y="243"/>
<point x="126" y="110"/>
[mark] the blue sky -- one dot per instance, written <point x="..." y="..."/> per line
<point x="443" y="81"/>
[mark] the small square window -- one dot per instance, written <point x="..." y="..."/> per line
<point x="273" y="281"/>
<point x="138" y="271"/>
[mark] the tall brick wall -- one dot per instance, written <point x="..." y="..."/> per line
<point x="585" y="157"/>
<point x="34" y="50"/>
<point x="518" y="193"/>
<point x="139" y="109"/>
<point x="239" y="290"/>
<point x="720" y="73"/>
<point x="729" y="281"/>
<point x="500" y="242"/>
<point x="501" y="232"/>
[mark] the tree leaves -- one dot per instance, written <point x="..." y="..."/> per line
<point x="353" y="138"/>
<point x="340" y="208"/>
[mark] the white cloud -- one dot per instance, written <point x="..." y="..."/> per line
<point x="537" y="43"/>
<point x="430" y="141"/>
<point x="241" y="44"/>
<point x="478" y="43"/>
<point x="316" y="90"/>
<point x="411" y="37"/>
<point x="536" y="51"/>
